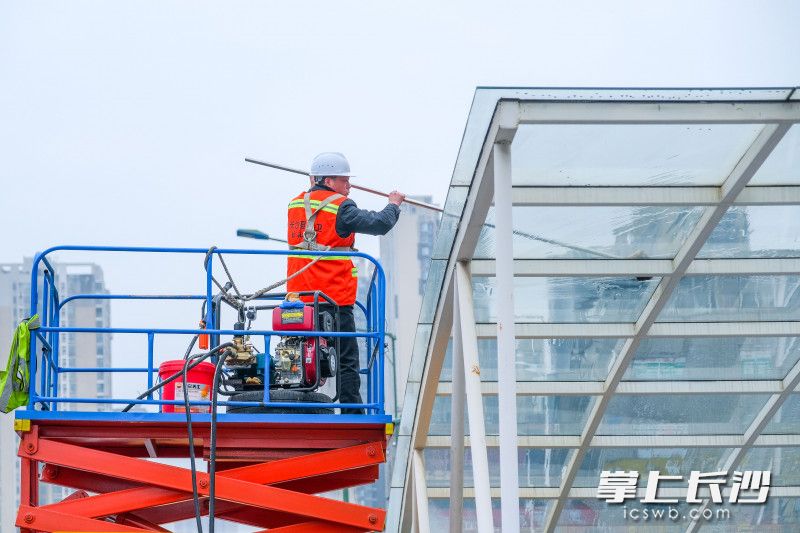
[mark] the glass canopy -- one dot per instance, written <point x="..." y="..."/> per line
<point x="655" y="251"/>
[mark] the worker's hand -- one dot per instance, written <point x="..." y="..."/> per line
<point x="396" y="198"/>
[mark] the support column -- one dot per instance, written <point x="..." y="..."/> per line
<point x="421" y="493"/>
<point x="465" y="314"/>
<point x="506" y="343"/>
<point x="457" y="429"/>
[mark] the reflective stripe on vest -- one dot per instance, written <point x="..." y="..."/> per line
<point x="315" y="205"/>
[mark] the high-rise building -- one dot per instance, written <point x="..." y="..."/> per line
<point x="76" y="350"/>
<point x="84" y="349"/>
<point x="405" y="254"/>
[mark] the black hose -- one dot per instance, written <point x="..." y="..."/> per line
<point x="212" y="459"/>
<point x="174" y="376"/>
<point x="187" y="409"/>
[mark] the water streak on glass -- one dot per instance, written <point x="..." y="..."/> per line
<point x="680" y="414"/>
<point x="755" y="231"/>
<point x="667" y="461"/>
<point x="714" y="358"/>
<point x="567" y="300"/>
<point x="641" y="154"/>
<point x="536" y="415"/>
<point x="650" y="232"/>
<point x="547" y="359"/>
<point x="786" y="420"/>
<point x="734" y="299"/>
<point x="536" y="467"/>
<point x="532" y="515"/>
<point x="782" y="167"/>
<point x="783" y="462"/>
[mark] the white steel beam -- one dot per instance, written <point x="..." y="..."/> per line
<point x="420" y="493"/>
<point x="638" y="267"/>
<point x="658" y="112"/>
<point x="632" y="441"/>
<point x="598" y="388"/>
<point x="506" y="344"/>
<point x="659" y="329"/>
<point x="551" y="493"/>
<point x="725" y="329"/>
<point x="552" y="331"/>
<point x="472" y="385"/>
<point x="592" y="196"/>
<point x="457" y="432"/>
<point x="746" y="167"/>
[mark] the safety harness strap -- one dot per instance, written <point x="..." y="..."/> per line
<point x="310" y="234"/>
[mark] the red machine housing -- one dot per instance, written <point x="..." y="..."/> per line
<point x="293" y="318"/>
<point x="299" y="317"/>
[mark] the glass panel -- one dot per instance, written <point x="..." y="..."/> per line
<point x="532" y="515"/>
<point x="680" y="414"/>
<point x="453" y="207"/>
<point x="777" y="515"/>
<point x="552" y="415"/>
<point x="755" y="231"/>
<point x="782" y="167"/>
<point x="537" y="467"/>
<point x="587" y="515"/>
<point x="787" y="419"/>
<point x="594" y="232"/>
<point x="734" y="299"/>
<point x="547" y="359"/>
<point x="641" y="154"/>
<point x="536" y="415"/>
<point x="486" y="98"/>
<point x="668" y="461"/>
<point x="418" y="355"/>
<point x="407" y="407"/>
<point x="402" y="446"/>
<point x="432" y="291"/>
<point x="784" y="463"/>
<point x="567" y="300"/>
<point x="714" y="358"/>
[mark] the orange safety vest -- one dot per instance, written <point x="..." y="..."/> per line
<point x="336" y="276"/>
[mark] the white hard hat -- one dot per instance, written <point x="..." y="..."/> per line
<point x="330" y="164"/>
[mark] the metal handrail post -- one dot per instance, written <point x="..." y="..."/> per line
<point x="45" y="367"/>
<point x="382" y="341"/>
<point x="56" y="343"/>
<point x="150" y="340"/>
<point x="32" y="353"/>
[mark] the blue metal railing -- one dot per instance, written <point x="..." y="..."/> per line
<point x="48" y="369"/>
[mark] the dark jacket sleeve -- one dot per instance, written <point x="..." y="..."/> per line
<point x="351" y="219"/>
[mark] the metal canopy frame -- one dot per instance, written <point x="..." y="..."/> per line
<point x="477" y="167"/>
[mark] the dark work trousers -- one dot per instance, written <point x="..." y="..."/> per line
<point x="350" y="380"/>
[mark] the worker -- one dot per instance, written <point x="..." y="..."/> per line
<point x="324" y="218"/>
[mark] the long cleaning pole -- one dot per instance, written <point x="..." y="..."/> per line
<point x="353" y="185"/>
<point x="436" y="208"/>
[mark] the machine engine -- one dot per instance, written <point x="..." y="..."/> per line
<point x="297" y="362"/>
<point x="301" y="361"/>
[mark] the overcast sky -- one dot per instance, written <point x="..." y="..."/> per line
<point x="126" y="123"/>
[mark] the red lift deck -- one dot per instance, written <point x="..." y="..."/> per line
<point x="269" y="467"/>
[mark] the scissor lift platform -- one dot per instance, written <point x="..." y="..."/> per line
<point x="268" y="469"/>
